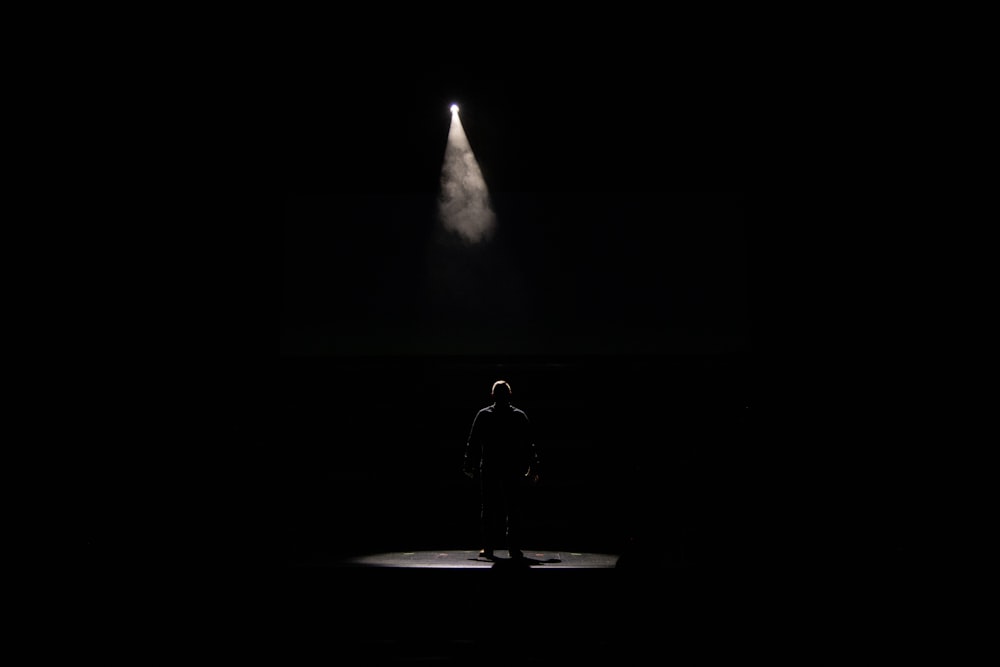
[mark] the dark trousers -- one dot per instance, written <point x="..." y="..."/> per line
<point x="502" y="511"/>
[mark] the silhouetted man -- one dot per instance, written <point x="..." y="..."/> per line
<point x="502" y="447"/>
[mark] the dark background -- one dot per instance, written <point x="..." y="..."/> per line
<point x="620" y="297"/>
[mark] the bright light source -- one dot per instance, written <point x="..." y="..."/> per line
<point x="454" y="108"/>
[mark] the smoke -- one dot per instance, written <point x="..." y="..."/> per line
<point x="465" y="201"/>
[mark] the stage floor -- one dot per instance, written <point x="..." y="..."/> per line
<point x="467" y="558"/>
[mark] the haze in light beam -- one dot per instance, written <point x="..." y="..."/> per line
<point x="465" y="201"/>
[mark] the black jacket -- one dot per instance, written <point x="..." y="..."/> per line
<point x="501" y="442"/>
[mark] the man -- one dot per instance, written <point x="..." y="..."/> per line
<point x="501" y="446"/>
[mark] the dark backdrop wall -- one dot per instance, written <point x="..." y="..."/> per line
<point x="565" y="273"/>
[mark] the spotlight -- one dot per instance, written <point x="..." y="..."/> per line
<point x="454" y="108"/>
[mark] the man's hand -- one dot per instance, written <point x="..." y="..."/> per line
<point x="468" y="473"/>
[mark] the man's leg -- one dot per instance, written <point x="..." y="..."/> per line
<point x="513" y="511"/>
<point x="488" y="516"/>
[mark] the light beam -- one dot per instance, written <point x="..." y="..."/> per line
<point x="464" y="204"/>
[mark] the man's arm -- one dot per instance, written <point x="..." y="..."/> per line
<point x="535" y="469"/>
<point x="534" y="459"/>
<point x="468" y="468"/>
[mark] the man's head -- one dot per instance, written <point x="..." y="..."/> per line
<point x="501" y="392"/>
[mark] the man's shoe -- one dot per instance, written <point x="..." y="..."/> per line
<point x="516" y="553"/>
<point x="486" y="553"/>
